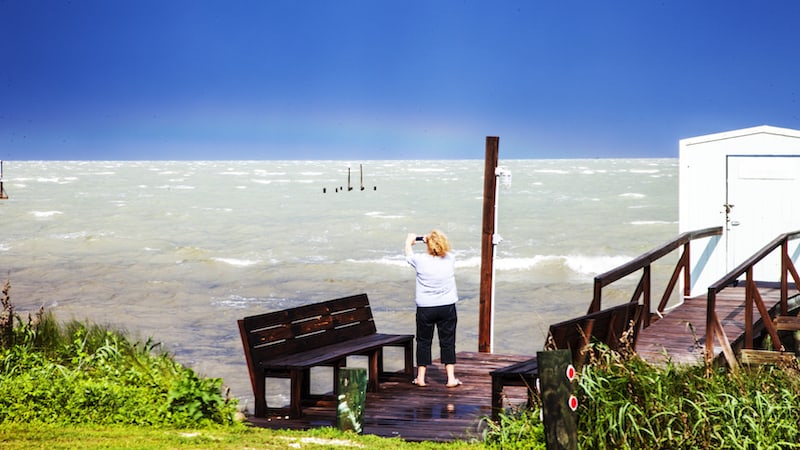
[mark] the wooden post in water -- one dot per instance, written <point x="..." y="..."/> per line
<point x="487" y="247"/>
<point x="3" y="194"/>
<point x="349" y="187"/>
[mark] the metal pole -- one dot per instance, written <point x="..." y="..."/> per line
<point x="495" y="241"/>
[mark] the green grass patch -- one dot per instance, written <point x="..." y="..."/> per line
<point x="76" y="373"/>
<point x="25" y="436"/>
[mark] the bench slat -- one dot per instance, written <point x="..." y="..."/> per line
<point x="331" y="353"/>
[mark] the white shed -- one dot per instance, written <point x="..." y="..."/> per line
<point x="746" y="181"/>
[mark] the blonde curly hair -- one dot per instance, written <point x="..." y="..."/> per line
<point x="438" y="245"/>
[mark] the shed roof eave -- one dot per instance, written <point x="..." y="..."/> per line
<point x="763" y="129"/>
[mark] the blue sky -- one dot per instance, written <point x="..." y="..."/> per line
<point x="371" y="79"/>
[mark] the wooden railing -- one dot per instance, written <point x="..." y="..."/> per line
<point x="752" y="298"/>
<point x="643" y="263"/>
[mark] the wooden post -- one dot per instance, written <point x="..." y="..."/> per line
<point x="558" y="402"/>
<point x="3" y="194"/>
<point x="352" y="397"/>
<point x="487" y="247"/>
<point x="349" y="187"/>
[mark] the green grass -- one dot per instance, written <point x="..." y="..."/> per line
<point x="23" y="436"/>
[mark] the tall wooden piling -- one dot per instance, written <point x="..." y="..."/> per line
<point x="487" y="246"/>
<point x="3" y="194"/>
<point x="349" y="186"/>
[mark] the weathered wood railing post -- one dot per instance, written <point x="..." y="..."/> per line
<point x="558" y="403"/>
<point x="487" y="246"/>
<point x="352" y="397"/>
<point x="711" y="311"/>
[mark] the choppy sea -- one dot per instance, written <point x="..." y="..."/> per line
<point x="178" y="251"/>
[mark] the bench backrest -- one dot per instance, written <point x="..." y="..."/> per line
<point x="606" y="326"/>
<point x="269" y="335"/>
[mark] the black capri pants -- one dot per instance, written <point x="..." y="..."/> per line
<point x="444" y="318"/>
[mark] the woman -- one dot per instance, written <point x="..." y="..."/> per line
<point x="436" y="298"/>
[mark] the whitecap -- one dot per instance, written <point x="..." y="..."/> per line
<point x="397" y="261"/>
<point x="238" y="262"/>
<point x="70" y="236"/>
<point x="45" y="214"/>
<point x="426" y="169"/>
<point x="632" y="195"/>
<point x="651" y="222"/>
<point x="593" y="265"/>
<point x="177" y="187"/>
<point x="380" y="215"/>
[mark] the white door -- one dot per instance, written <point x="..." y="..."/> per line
<point x="763" y="203"/>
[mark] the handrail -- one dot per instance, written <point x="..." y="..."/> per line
<point x="734" y="274"/>
<point x="752" y="297"/>
<point x="643" y="262"/>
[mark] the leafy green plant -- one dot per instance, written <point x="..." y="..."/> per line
<point x="84" y="373"/>
<point x="519" y="429"/>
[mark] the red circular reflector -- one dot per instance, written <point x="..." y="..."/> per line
<point x="573" y="402"/>
<point x="570" y="372"/>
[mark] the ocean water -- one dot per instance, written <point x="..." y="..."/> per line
<point x="178" y="251"/>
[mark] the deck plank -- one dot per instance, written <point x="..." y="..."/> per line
<point x="672" y="336"/>
<point x="432" y="413"/>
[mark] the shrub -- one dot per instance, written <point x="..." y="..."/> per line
<point x="82" y="373"/>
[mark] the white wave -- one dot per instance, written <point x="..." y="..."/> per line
<point x="44" y="214"/>
<point x="593" y="265"/>
<point x="651" y="222"/>
<point x="427" y="169"/>
<point x="397" y="261"/>
<point x="4" y="247"/>
<point x="580" y="264"/>
<point x="70" y="236"/>
<point x="555" y="171"/>
<point x="632" y="195"/>
<point x="381" y="215"/>
<point x="178" y="187"/>
<point x="56" y="180"/>
<point x="238" y="262"/>
<point x="644" y="171"/>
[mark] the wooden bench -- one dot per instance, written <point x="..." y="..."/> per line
<point x="606" y="326"/>
<point x="288" y="343"/>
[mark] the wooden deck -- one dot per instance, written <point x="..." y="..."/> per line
<point x="681" y="333"/>
<point x="436" y="413"/>
<point x="431" y="413"/>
